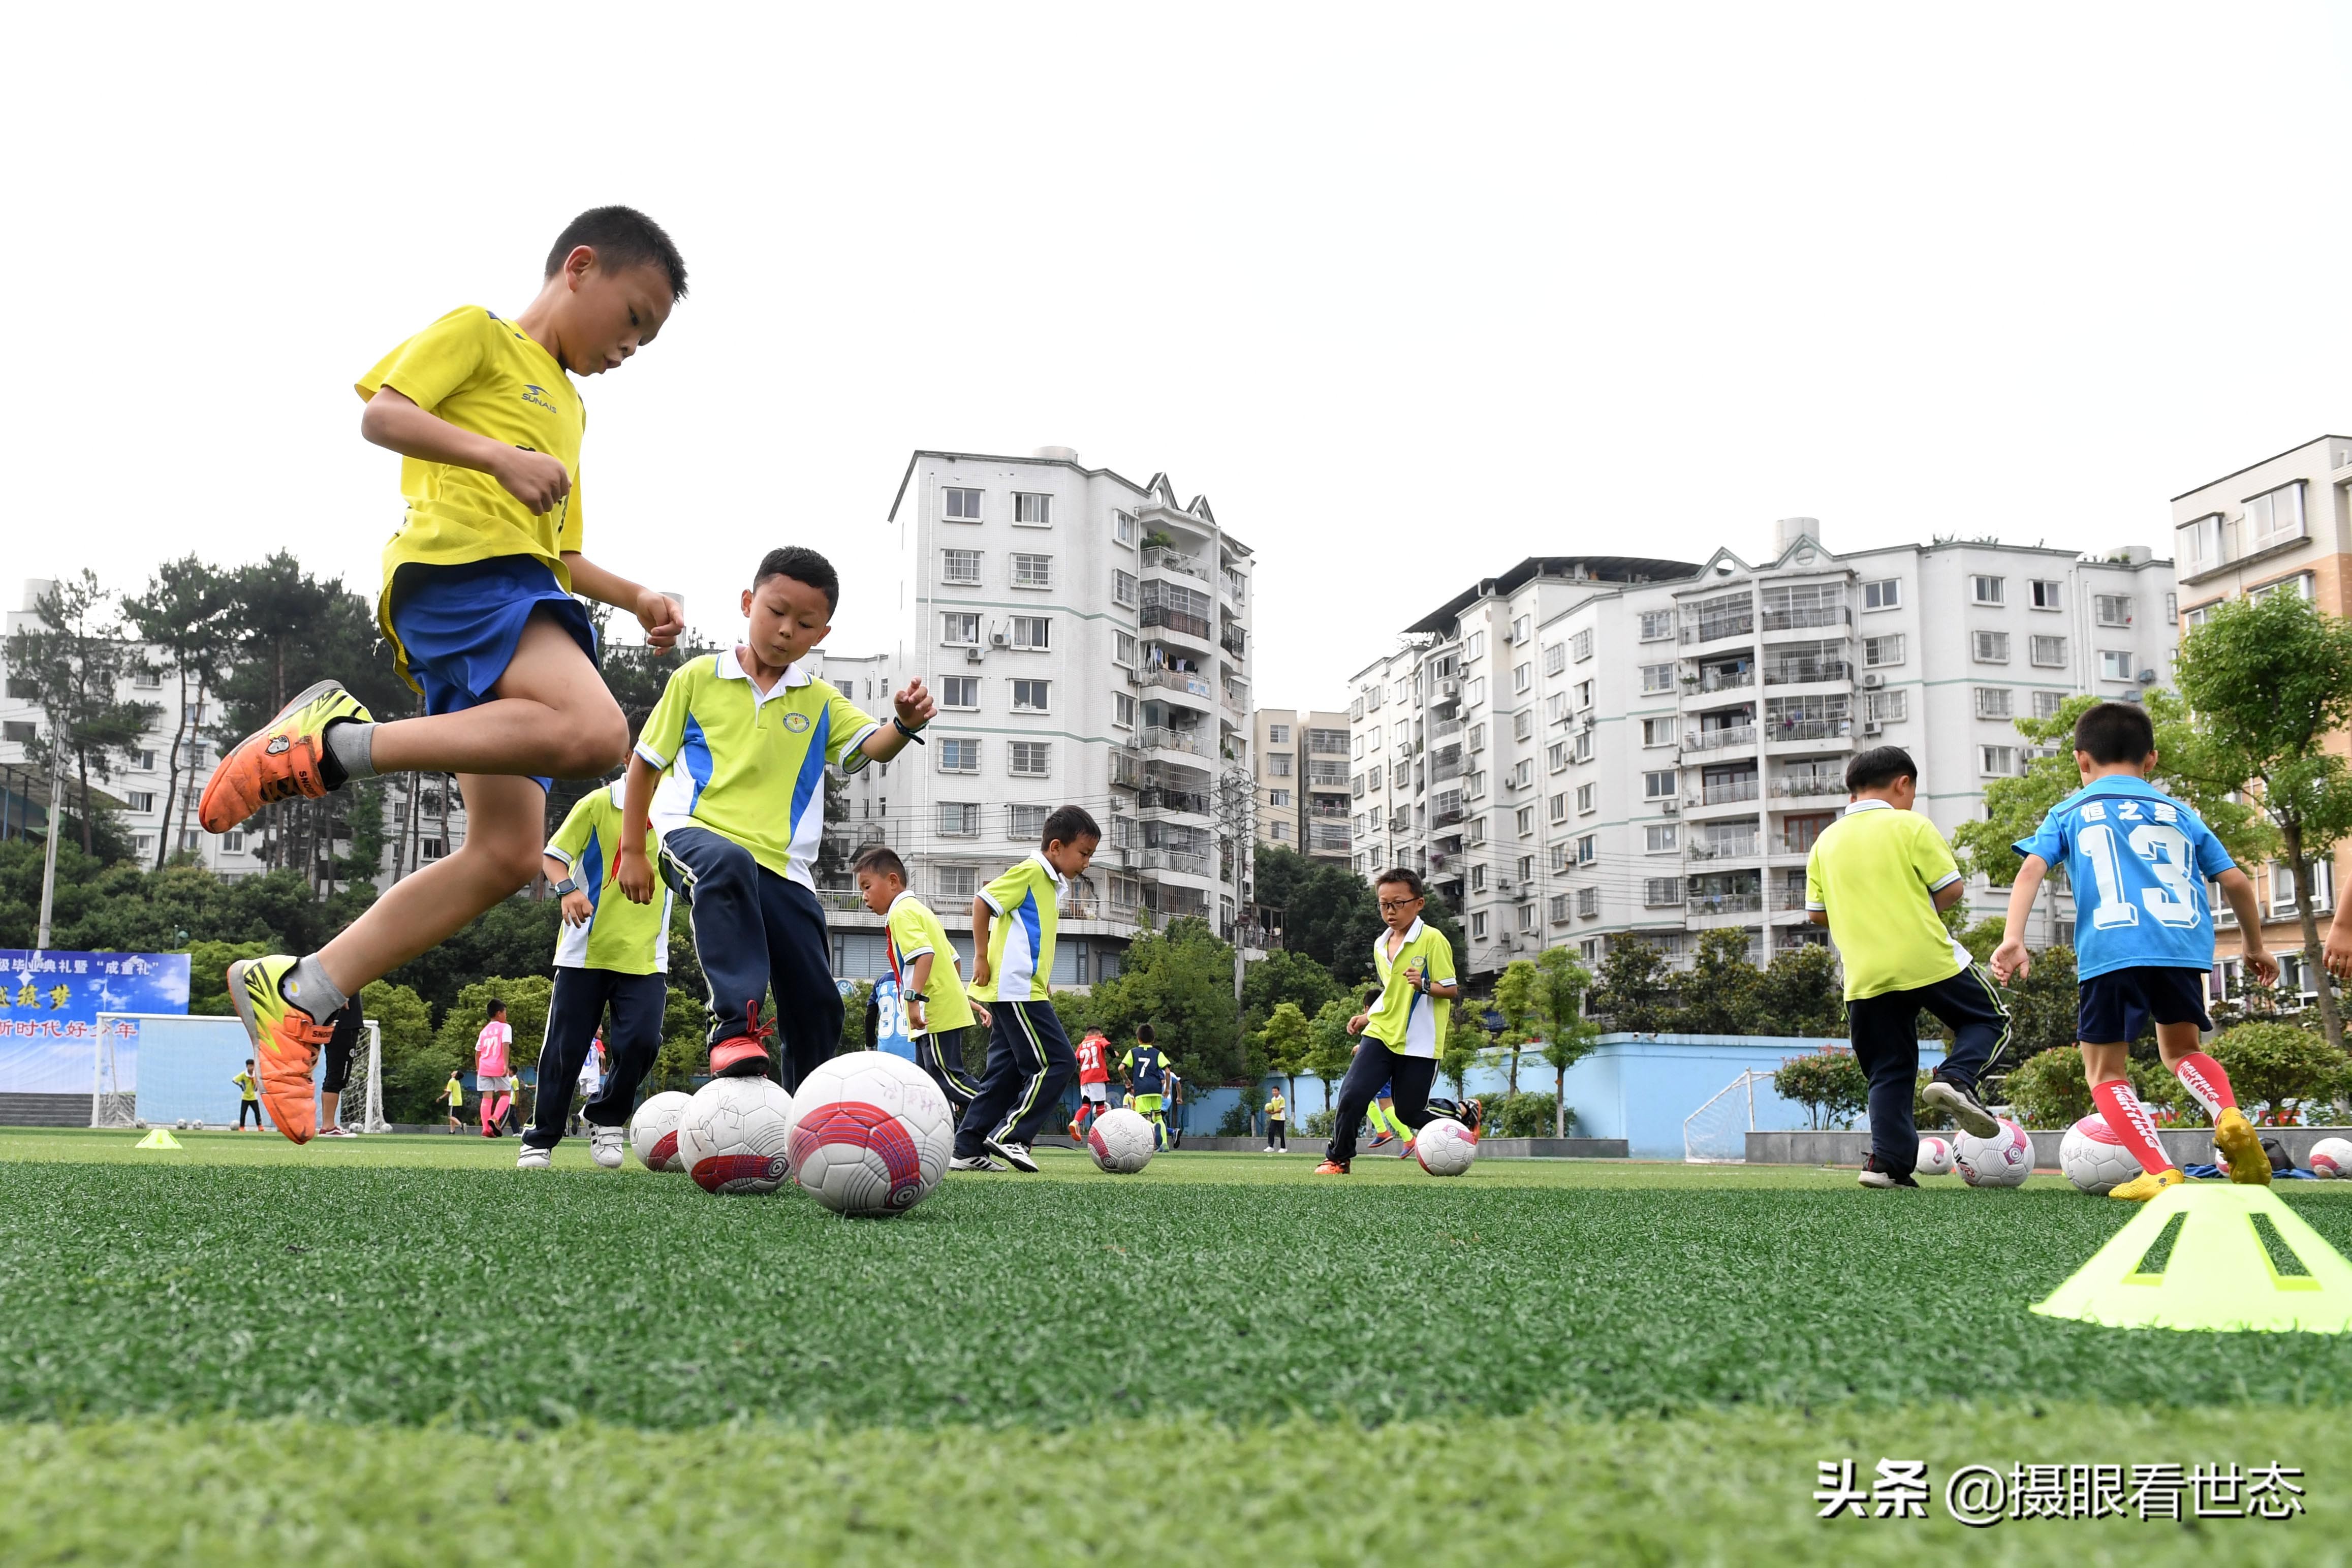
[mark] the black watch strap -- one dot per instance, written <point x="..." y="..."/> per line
<point x="914" y="735"/>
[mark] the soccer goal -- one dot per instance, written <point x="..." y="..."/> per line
<point x="164" y="1068"/>
<point x="1716" y="1133"/>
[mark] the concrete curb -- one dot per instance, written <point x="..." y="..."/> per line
<point x="2188" y="1146"/>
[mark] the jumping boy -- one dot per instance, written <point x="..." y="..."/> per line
<point x="923" y="963"/>
<point x="1402" y="1031"/>
<point x="1143" y="1073"/>
<point x="611" y="954"/>
<point x="1878" y="878"/>
<point x="1013" y="922"/>
<point x="2138" y="861"/>
<point x="738" y="745"/>
<point x="478" y="605"/>
<point x="1094" y="1083"/>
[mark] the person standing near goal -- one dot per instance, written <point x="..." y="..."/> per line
<point x="347" y="1024"/>
<point x="249" y="1087"/>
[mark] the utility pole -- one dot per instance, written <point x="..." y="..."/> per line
<point x="49" y="854"/>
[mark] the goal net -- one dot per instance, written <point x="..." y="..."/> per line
<point x="174" y="1068"/>
<point x="1716" y="1133"/>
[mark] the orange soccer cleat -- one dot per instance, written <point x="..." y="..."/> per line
<point x="1331" y="1168"/>
<point x="286" y="1042"/>
<point x="285" y="758"/>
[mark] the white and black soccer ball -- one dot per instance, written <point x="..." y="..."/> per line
<point x="2003" y="1160"/>
<point x="2094" y="1159"/>
<point x="653" y="1130"/>
<point x="1934" y="1158"/>
<point x="1121" y="1141"/>
<point x="2331" y="1158"/>
<point x="1443" y="1146"/>
<point x="734" y="1137"/>
<point x="870" y="1134"/>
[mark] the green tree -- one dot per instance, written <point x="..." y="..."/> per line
<point x="1288" y="1040"/>
<point x="70" y="661"/>
<point x="416" y="1064"/>
<point x="1799" y="992"/>
<point x="1180" y="982"/>
<point x="526" y="998"/>
<point x="1329" y="913"/>
<point x="1635" y="992"/>
<point x="1557" y="993"/>
<point x="1718" y="995"/>
<point x="1465" y="1043"/>
<point x="1515" y="998"/>
<point x="184" y="614"/>
<point x="1284" y="976"/>
<point x="1830" y="1085"/>
<point x="2278" y="1064"/>
<point x="1330" y="1046"/>
<point x="208" y="964"/>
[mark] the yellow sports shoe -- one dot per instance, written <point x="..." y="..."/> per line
<point x="285" y="758"/>
<point x="286" y="1042"/>
<point x="2147" y="1185"/>
<point x="2242" y="1147"/>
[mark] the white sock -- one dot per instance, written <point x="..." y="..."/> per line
<point x="352" y="745"/>
<point x="307" y="987"/>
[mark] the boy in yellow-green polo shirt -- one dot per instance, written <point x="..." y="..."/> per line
<point x="1877" y="877"/>
<point x="923" y="963"/>
<point x="738" y="746"/>
<point x="477" y="600"/>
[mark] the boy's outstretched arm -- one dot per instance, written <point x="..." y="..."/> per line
<point x="915" y="708"/>
<point x="2239" y="888"/>
<point x="632" y="870"/>
<point x="2010" y="957"/>
<point x="395" y="422"/>
<point x="662" y="616"/>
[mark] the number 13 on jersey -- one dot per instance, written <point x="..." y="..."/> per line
<point x="2159" y="873"/>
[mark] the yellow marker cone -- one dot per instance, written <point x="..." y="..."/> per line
<point x="2215" y="1257"/>
<point x="159" y="1139"/>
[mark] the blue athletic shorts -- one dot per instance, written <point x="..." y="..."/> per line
<point x="460" y="624"/>
<point x="2116" y="1006"/>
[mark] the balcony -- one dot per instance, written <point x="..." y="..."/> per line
<point x="1233" y="640"/>
<point x="1323" y="775"/>
<point x="1722" y="849"/>
<point x="1808" y="785"/>
<point x="1797" y="617"/>
<point x="1806" y="671"/>
<point x="1724" y="903"/>
<point x="1160" y="558"/>
<point x="1713" y="629"/>
<point x="1718" y="680"/>
<point x="1155" y="738"/>
<point x="1719" y="740"/>
<point x="1724" y="794"/>
<point x="1191" y="682"/>
<point x="1326" y="837"/>
<point x="1838" y="732"/>
<point x="1194" y="801"/>
<point x="1176" y="623"/>
<point x="1792" y="898"/>
<point x="1185" y="862"/>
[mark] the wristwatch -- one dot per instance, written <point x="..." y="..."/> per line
<point x="568" y="885"/>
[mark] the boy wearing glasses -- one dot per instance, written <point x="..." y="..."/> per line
<point x="1403" y="1030"/>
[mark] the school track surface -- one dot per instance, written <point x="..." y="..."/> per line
<point x="252" y="1351"/>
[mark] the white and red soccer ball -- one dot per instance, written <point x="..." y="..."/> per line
<point x="2331" y="1158"/>
<point x="870" y="1134"/>
<point x="1934" y="1157"/>
<point x="653" y="1130"/>
<point x="733" y="1139"/>
<point x="1121" y="1141"/>
<point x="2094" y="1159"/>
<point x="1443" y="1146"/>
<point x="2003" y="1160"/>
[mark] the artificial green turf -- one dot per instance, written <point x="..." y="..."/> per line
<point x="400" y="1281"/>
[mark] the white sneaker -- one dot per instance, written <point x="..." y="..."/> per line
<point x="1017" y="1155"/>
<point x="605" y="1143"/>
<point x="533" y="1159"/>
<point x="973" y="1162"/>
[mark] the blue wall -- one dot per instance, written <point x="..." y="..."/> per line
<point x="1640" y="1088"/>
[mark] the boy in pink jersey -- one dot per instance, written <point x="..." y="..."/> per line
<point x="490" y="1049"/>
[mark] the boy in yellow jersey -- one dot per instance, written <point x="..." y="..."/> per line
<point x="923" y="963"/>
<point x="1277" y="1141"/>
<point x="738" y="745"/>
<point x="1013" y="922"/>
<point x="1401" y="1032"/>
<point x="248" y="1088"/>
<point x="611" y="953"/>
<point x="478" y="604"/>
<point x="454" y="1094"/>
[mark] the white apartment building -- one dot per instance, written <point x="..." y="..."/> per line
<point x="1581" y="758"/>
<point x="1301" y="766"/>
<point x="1087" y="637"/>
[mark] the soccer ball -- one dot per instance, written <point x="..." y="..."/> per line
<point x="2331" y="1158"/>
<point x="1443" y="1146"/>
<point x="2003" y="1160"/>
<point x="2094" y="1159"/>
<point x="653" y="1130"/>
<point x="1121" y="1141"/>
<point x="870" y="1134"/>
<point x="732" y="1138"/>
<point x="1934" y="1157"/>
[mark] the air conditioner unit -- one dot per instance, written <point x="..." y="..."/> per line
<point x="1872" y="727"/>
<point x="999" y="639"/>
<point x="1872" y="680"/>
<point x="1671" y="807"/>
<point x="972" y="656"/>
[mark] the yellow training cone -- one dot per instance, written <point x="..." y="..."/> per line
<point x="159" y="1139"/>
<point x="2209" y="1256"/>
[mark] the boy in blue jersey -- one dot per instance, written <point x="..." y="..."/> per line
<point x="1144" y="1073"/>
<point x="738" y="745"/>
<point x="1030" y="1062"/>
<point x="2138" y="861"/>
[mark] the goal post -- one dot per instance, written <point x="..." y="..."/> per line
<point x="161" y="1068"/>
<point x="362" y="1107"/>
<point x="1716" y="1133"/>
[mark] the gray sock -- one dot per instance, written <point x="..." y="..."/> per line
<point x="307" y="987"/>
<point x="352" y="745"/>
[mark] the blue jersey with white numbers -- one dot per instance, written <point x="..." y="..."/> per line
<point x="2138" y="861"/>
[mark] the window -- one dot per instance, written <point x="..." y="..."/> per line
<point x="1559" y="804"/>
<point x="1580" y="749"/>
<point x="1556" y="756"/>
<point x="1277" y="734"/>
<point x="1477" y="737"/>
<point x="1559" y="908"/>
<point x="1989" y="590"/>
<point x="1580" y="646"/>
<point x="1656" y="678"/>
<point x="1588" y="901"/>
<point x="961" y="506"/>
<point x="1281" y="831"/>
<point x="2171" y="609"/>
<point x="959" y="882"/>
<point x="1277" y="797"/>
<point x="1523" y="676"/>
<point x="1523" y="724"/>
<point x="2047" y="703"/>
<point x="1560" y="856"/>
<point x="1992" y="647"/>
<point x="1660" y="838"/>
<point x="141" y="761"/>
<point x="1555" y="658"/>
<point x="1122" y="709"/>
<point x="960" y="566"/>
<point x="2299" y="585"/>
<point x="1556" y="705"/>
<point x="960" y="691"/>
<point x="2274" y="516"/>
<point x="1032" y="511"/>
<point x="960" y="629"/>
<point x="1519" y="632"/>
<point x="1523" y="772"/>
<point x="958" y="819"/>
<point x="142" y="844"/>
<point x="2323" y="887"/>
<point x="1372" y="696"/>
<point x="2114" y="666"/>
<point x="1584" y="798"/>
<point x="1886" y="593"/>
<point x="1584" y="694"/>
<point x="1025" y="823"/>
<point x="1997" y="761"/>
<point x="1122" y="587"/>
<point x="146" y="677"/>
<point x="2111" y="609"/>
<point x="2042" y="594"/>
<point x="1123" y="647"/>
<point x="1032" y="571"/>
<point x="1527" y="917"/>
<point x="2049" y="653"/>
<point x="1657" y="625"/>
<point x="140" y="799"/>
<point x="1877" y="651"/>
<point x="1994" y="702"/>
<point x="1886" y="707"/>
<point x="1474" y="692"/>
<point x="1034" y="632"/>
<point x="431" y="849"/>
<point x="1033" y="697"/>
<point x="1588" y="850"/>
<point x="1372" y="735"/>
<point x="1277" y="764"/>
<point x="1659" y="784"/>
<point x="233" y="841"/>
<point x="958" y="756"/>
<point x="1122" y="528"/>
<point x="1478" y="926"/>
<point x="1661" y="892"/>
<point x="1474" y="647"/>
<point x="1527" y="820"/>
<point x="1658" y="732"/>
<point x="1029" y="759"/>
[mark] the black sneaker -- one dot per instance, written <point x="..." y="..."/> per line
<point x="1872" y="1176"/>
<point x="1960" y="1103"/>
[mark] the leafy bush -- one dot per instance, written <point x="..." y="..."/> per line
<point x="1241" y="1117"/>
<point x="1318" y="1123"/>
<point x="2280" y="1065"/>
<point x="1524" y="1116"/>
<point x="414" y="1066"/>
<point x="2049" y="1089"/>
<point x="1927" y="1118"/>
<point x="1830" y="1085"/>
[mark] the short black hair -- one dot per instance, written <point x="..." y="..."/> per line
<point x="1399" y="874"/>
<point x="1143" y="1034"/>
<point x="2115" y="732"/>
<point x="1878" y="767"/>
<point x="801" y="564"/>
<point x="496" y="1006"/>
<point x="621" y="237"/>
<point x="1068" y="825"/>
<point x="880" y="860"/>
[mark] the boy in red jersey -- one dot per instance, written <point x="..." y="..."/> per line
<point x="1094" y="1083"/>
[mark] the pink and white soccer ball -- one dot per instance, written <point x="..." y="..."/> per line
<point x="2093" y="1158"/>
<point x="871" y="1134"/>
<point x="653" y="1130"/>
<point x="733" y="1138"/>
<point x="2003" y="1160"/>
<point x="1121" y="1141"/>
<point x="1934" y="1157"/>
<point x="2331" y="1158"/>
<point x="1445" y="1147"/>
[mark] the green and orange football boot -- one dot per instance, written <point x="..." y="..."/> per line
<point x="286" y="1043"/>
<point x="285" y="758"/>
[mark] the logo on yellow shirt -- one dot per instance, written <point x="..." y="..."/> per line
<point x="796" y="722"/>
<point x="532" y="394"/>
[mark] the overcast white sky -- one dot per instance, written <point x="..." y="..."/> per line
<point x="1410" y="294"/>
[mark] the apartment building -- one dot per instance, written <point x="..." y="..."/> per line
<point x="1087" y="637"/>
<point x="1653" y="752"/>
<point x="2282" y="525"/>
<point x="1301" y="766"/>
